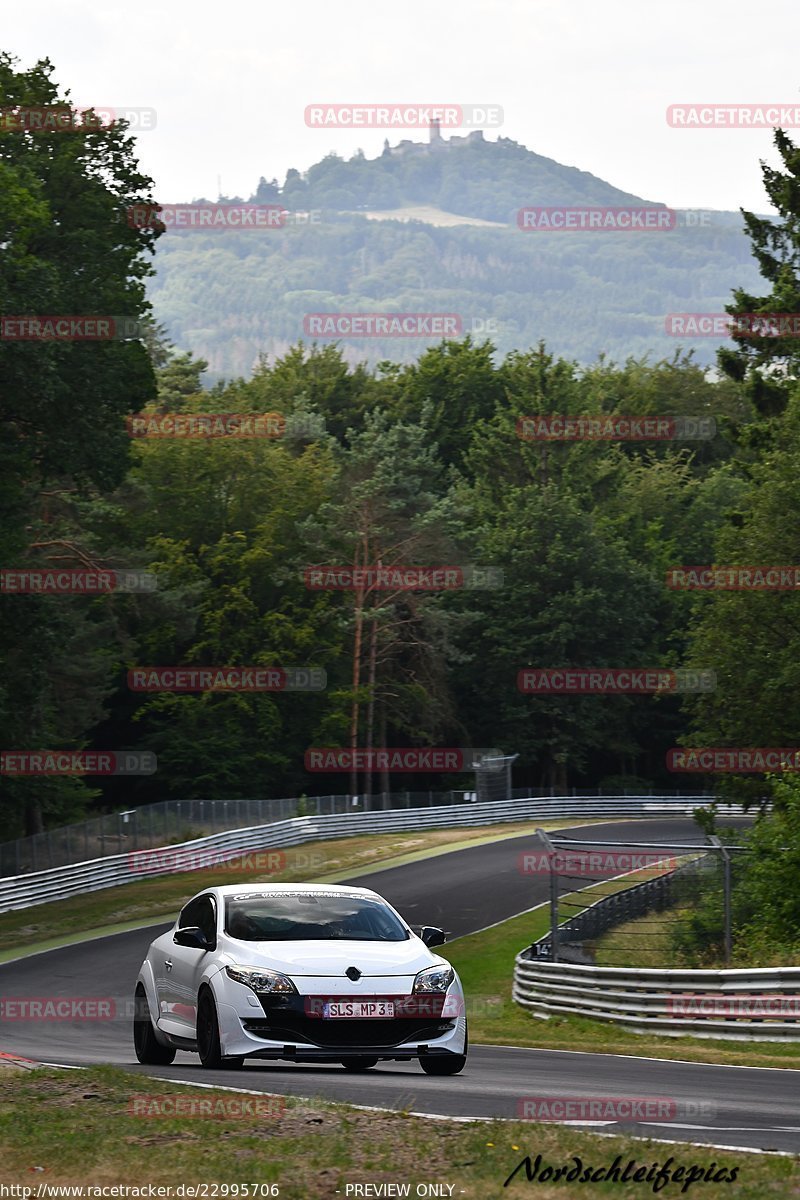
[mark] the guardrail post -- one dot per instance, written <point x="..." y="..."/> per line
<point x="553" y="912"/>
<point x="551" y="853"/>
<point x="726" y="896"/>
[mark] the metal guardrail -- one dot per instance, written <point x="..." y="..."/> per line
<point x="58" y="883"/>
<point x="648" y="1000"/>
<point x="171" y="821"/>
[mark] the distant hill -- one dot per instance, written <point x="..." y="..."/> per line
<point x="230" y="295"/>
<point x="477" y="178"/>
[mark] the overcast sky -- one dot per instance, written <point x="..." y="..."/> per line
<point x="585" y="83"/>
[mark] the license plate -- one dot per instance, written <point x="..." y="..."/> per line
<point x="358" y="1009"/>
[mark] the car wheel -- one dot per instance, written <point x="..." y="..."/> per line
<point x="436" y="1065"/>
<point x="450" y="1064"/>
<point x="208" y="1044"/>
<point x="358" y="1064"/>
<point x="148" y="1048"/>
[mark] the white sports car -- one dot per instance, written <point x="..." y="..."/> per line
<point x="303" y="972"/>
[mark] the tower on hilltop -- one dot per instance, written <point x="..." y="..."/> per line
<point x="434" y="134"/>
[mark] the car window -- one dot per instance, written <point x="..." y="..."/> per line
<point x="297" y="916"/>
<point x="188" y="915"/>
<point x="201" y="912"/>
<point x="207" y="918"/>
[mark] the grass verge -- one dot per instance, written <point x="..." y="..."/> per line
<point x="645" y="941"/>
<point x="78" y="1127"/>
<point x="648" y="941"/>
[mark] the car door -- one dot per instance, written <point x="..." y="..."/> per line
<point x="160" y="959"/>
<point x="187" y="965"/>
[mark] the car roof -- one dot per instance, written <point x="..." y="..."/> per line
<point x="259" y="889"/>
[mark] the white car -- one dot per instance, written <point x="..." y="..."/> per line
<point x="302" y="972"/>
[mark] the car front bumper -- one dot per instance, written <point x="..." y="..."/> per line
<point x="294" y="1028"/>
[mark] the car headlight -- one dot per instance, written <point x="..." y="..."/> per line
<point x="434" y="979"/>
<point x="261" y="980"/>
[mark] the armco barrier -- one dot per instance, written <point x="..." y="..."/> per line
<point x="58" y="883"/>
<point x="168" y="821"/>
<point x="645" y="999"/>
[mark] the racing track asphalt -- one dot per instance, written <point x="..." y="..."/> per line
<point x="463" y="891"/>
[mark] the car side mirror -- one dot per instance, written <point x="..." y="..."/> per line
<point x="193" y="936"/>
<point x="432" y="936"/>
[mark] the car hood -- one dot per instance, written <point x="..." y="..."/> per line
<point x="319" y="958"/>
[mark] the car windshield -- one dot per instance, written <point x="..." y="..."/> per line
<point x="306" y="916"/>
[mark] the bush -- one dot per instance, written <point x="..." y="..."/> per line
<point x="765" y="899"/>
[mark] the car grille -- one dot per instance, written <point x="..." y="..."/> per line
<point x="298" y="1029"/>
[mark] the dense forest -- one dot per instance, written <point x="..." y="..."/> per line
<point x="403" y="463"/>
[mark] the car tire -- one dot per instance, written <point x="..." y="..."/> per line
<point x="208" y="1044"/>
<point x="358" y="1064"/>
<point x="446" y="1065"/>
<point x="147" y="1046"/>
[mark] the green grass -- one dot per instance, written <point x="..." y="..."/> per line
<point x="79" y="1128"/>
<point x="650" y="940"/>
<point x="644" y="942"/>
